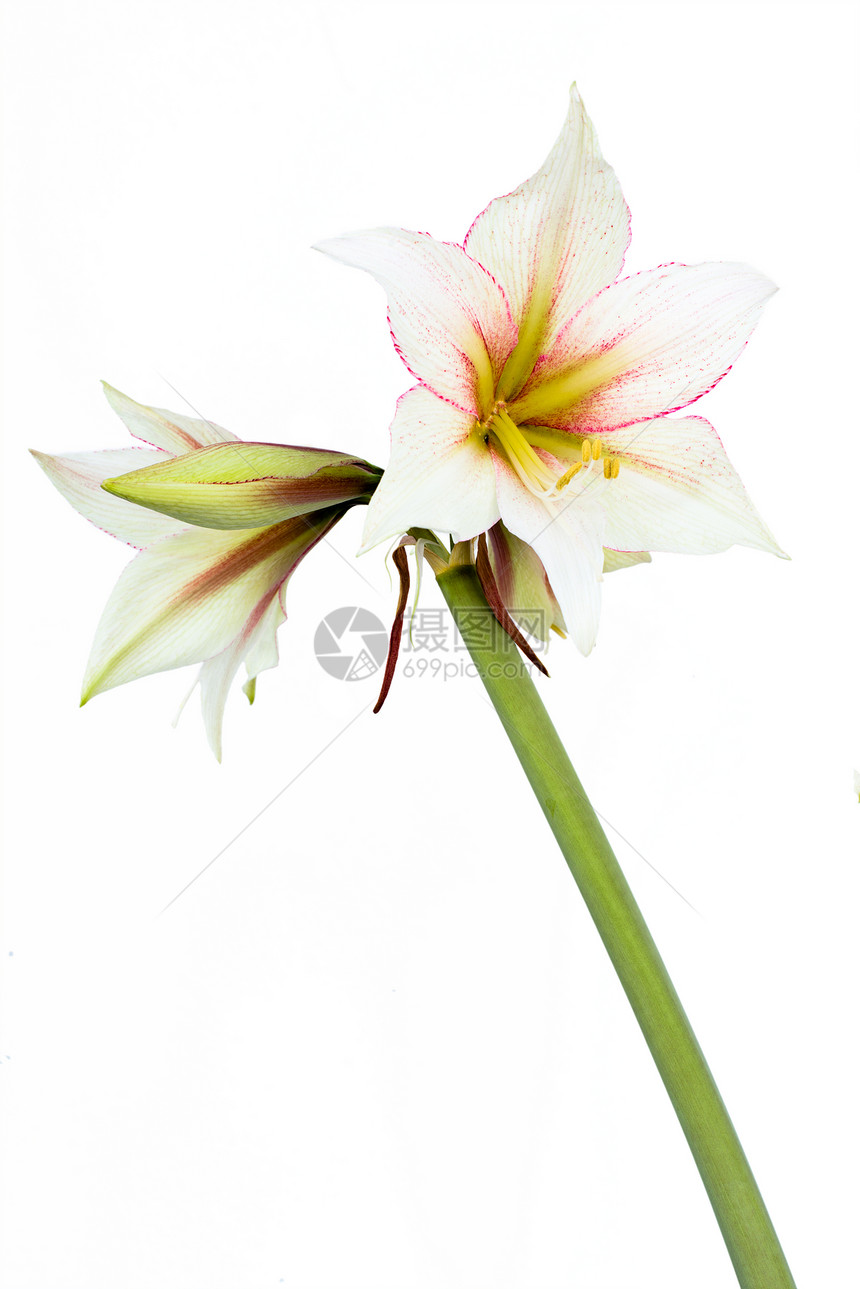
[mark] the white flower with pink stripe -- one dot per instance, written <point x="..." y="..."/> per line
<point x="546" y="381"/>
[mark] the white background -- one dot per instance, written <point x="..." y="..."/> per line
<point x="377" y="1045"/>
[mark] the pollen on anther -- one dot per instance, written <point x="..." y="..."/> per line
<point x="567" y="476"/>
<point x="596" y="449"/>
<point x="586" y="451"/>
<point x="616" y="466"/>
<point x="607" y="468"/>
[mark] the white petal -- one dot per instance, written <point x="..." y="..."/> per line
<point x="256" y="645"/>
<point x="79" y="477"/>
<point x="440" y="474"/>
<point x="188" y="596"/>
<point x="560" y="237"/>
<point x="262" y="651"/>
<point x="614" y="560"/>
<point x="568" y="537"/>
<point x="647" y="345"/>
<point x="168" y="430"/>
<point x="449" y="319"/>
<point x="677" y="490"/>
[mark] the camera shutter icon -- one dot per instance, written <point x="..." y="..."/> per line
<point x="351" y="643"/>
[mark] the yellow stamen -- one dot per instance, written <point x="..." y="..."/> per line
<point x="616" y="466"/>
<point x="568" y="475"/>
<point x="596" y="449"/>
<point x="531" y="469"/>
<point x="586" y="451"/>
<point x="607" y="468"/>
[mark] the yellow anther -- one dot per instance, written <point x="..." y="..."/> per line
<point x="616" y="466"/>
<point x="596" y="449"/>
<point x="568" y="475"/>
<point x="586" y="451"/>
<point x="607" y="468"/>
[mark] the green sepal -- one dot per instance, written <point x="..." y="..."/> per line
<point x="247" y="485"/>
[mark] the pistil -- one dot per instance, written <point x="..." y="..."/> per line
<point x="530" y="468"/>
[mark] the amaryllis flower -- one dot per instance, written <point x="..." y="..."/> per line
<point x="545" y="381"/>
<point x="221" y="524"/>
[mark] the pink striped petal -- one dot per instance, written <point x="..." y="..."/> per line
<point x="440" y="474"/>
<point x="79" y="477"/>
<point x="555" y="241"/>
<point x="188" y="596"/>
<point x="677" y="490"/>
<point x="167" y="430"/>
<point x="449" y="319"/>
<point x="649" y="344"/>
<point x="614" y="560"/>
<point x="256" y="645"/>
<point x="567" y="536"/>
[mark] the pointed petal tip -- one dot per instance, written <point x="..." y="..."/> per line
<point x="374" y="535"/>
<point x="342" y="247"/>
<point x="772" y="547"/>
<point x="763" y="286"/>
<point x="327" y="246"/>
<point x="114" y="395"/>
<point x="585" y="640"/>
<point x="325" y="242"/>
<point x="117" y="399"/>
<point x="769" y="287"/>
<point x="91" y="686"/>
<point x="215" y="746"/>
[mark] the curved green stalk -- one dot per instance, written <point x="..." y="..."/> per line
<point x="743" y="1219"/>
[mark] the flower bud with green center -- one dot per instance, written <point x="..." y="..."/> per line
<point x="221" y="526"/>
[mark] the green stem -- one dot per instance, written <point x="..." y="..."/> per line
<point x="743" y="1219"/>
